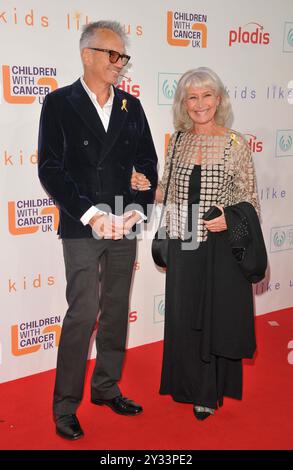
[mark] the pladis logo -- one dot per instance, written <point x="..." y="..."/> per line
<point x="251" y="33"/>
<point x="26" y="84"/>
<point x="254" y="143"/>
<point x="30" y="337"/>
<point x="130" y="87"/>
<point x="186" y="29"/>
<point x="30" y="216"/>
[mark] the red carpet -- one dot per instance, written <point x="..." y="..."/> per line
<point x="263" y="420"/>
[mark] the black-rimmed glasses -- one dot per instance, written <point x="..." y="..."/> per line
<point x="114" y="56"/>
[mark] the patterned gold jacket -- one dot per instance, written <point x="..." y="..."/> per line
<point x="227" y="177"/>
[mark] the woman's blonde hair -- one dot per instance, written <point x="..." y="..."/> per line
<point x="205" y="78"/>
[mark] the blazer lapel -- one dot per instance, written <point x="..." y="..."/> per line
<point x="82" y="104"/>
<point x="117" y="120"/>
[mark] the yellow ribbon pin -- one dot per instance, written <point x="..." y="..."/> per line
<point x="233" y="137"/>
<point x="123" y="107"/>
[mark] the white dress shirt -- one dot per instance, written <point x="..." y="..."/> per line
<point x="104" y="114"/>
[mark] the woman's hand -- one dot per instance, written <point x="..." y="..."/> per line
<point x="139" y="182"/>
<point x="218" y="224"/>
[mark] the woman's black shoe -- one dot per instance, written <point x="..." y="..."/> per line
<point x="202" y="412"/>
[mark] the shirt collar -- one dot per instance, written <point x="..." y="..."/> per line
<point x="93" y="96"/>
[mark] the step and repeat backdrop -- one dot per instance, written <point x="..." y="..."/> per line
<point x="248" y="43"/>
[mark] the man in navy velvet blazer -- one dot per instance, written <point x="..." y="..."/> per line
<point x="91" y="136"/>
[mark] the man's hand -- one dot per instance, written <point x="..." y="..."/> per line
<point x="104" y="226"/>
<point x="130" y="219"/>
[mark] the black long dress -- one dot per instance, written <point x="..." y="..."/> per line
<point x="185" y="376"/>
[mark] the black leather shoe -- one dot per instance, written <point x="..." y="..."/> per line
<point x="67" y="426"/>
<point x="121" y="405"/>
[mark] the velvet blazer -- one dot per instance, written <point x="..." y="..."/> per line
<point x="81" y="165"/>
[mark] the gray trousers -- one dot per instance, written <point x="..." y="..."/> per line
<point x="98" y="274"/>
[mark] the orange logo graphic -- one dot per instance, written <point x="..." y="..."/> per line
<point x="26" y="222"/>
<point x="75" y="20"/>
<point x="29" y="18"/>
<point x="184" y="29"/>
<point x="24" y="343"/>
<point x="24" y="86"/>
<point x="19" y="158"/>
<point x="167" y="140"/>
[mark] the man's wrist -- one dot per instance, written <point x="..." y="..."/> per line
<point x="89" y="214"/>
<point x="141" y="215"/>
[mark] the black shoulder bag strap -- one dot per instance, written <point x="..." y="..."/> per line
<point x="169" y="179"/>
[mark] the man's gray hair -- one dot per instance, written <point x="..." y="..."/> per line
<point x="88" y="32"/>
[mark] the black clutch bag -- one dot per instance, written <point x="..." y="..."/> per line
<point x="161" y="239"/>
<point x="212" y="213"/>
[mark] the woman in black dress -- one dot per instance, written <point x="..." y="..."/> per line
<point x="212" y="166"/>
